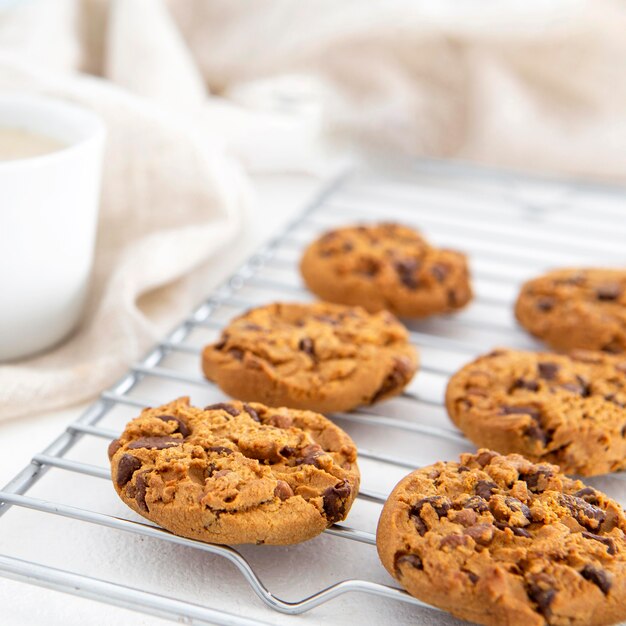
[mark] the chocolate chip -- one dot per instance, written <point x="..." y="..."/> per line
<point x="517" y="506"/>
<point x="484" y="458"/>
<point x="219" y="450"/>
<point x="466" y="516"/>
<point x="114" y="446"/>
<point x="310" y="454"/>
<point x="523" y="410"/>
<point x="181" y="427"/>
<point x="533" y="478"/>
<point x="280" y="421"/>
<point x="585" y="514"/>
<point x="368" y="267"/>
<point x="485" y="488"/>
<point x="251" y="412"/>
<point x="440" y="504"/>
<point x="223" y="406"/>
<point x="607" y="541"/>
<point x="335" y="501"/>
<point x="482" y="534"/>
<point x="140" y="491"/>
<point x="155" y="443"/>
<point x="545" y="304"/>
<point x="463" y="468"/>
<point x="473" y="577"/>
<point x="516" y="530"/>
<point x="440" y="271"/>
<point x="397" y="377"/>
<point x="534" y="431"/>
<point x="599" y="577"/>
<point x="543" y="598"/>
<point x="588" y="494"/>
<point x="608" y="292"/>
<point x="452" y="541"/>
<point x="236" y="353"/>
<point x="283" y="490"/>
<point x="307" y="346"/>
<point x="406" y="270"/>
<point x="409" y="559"/>
<point x="581" y="387"/>
<point x="476" y="503"/>
<point x="548" y="370"/>
<point x="523" y="383"/>
<point x="127" y="466"/>
<point x="288" y="451"/>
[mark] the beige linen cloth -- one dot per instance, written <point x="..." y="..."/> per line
<point x="190" y="87"/>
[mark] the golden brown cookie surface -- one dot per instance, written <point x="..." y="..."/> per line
<point x="569" y="410"/>
<point x="499" y="540"/>
<point x="576" y="308"/>
<point x="319" y="356"/>
<point x="386" y="266"/>
<point x="236" y="473"/>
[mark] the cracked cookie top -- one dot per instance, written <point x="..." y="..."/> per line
<point x="323" y="357"/>
<point x="499" y="540"/>
<point x="576" y="308"/>
<point x="386" y="266"/>
<point x="235" y="472"/>
<point x="569" y="410"/>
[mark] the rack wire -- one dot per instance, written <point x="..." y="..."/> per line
<point x="512" y="226"/>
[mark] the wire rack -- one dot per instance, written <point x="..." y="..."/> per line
<point x="512" y="227"/>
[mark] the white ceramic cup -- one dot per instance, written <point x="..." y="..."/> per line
<point x="48" y="216"/>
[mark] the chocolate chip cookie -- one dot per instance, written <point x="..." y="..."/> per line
<point x="499" y="540"/>
<point x="576" y="308"/>
<point x="323" y="357"/>
<point x="236" y="473"/>
<point x="569" y="410"/>
<point x="386" y="266"/>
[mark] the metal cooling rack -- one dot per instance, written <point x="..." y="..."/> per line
<point x="511" y="226"/>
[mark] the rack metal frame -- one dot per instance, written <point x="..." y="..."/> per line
<point x="348" y="206"/>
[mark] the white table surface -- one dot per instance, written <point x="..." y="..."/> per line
<point x="278" y="199"/>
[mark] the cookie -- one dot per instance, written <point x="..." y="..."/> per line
<point x="236" y="473"/>
<point x="386" y="266"/>
<point x="322" y="357"/>
<point x="499" y="540"/>
<point x="569" y="410"/>
<point x="576" y="308"/>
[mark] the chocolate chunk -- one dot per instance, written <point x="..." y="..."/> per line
<point x="310" y="454"/>
<point x="548" y="370"/>
<point x="534" y="431"/>
<point x="585" y="514"/>
<point x="485" y="488"/>
<point x="543" y="598"/>
<point x="409" y="559"/>
<point x="114" y="446"/>
<point x="452" y="541"/>
<point x="607" y="541"/>
<point x="534" y="478"/>
<point x="335" y="501"/>
<point x="517" y="506"/>
<point x="473" y="577"/>
<point x="608" y="292"/>
<point x="484" y="458"/>
<point x="307" y="346"/>
<point x="219" y="450"/>
<point x="588" y="494"/>
<point x="140" y="491"/>
<point x="155" y="443"/>
<point x="251" y="412"/>
<point x="544" y="304"/>
<point x="463" y="468"/>
<point x="523" y="410"/>
<point x="439" y="271"/>
<point x="406" y="270"/>
<point x="599" y="577"/>
<point x="482" y="534"/>
<point x="288" y="451"/>
<point x="441" y="504"/>
<point x="283" y="490"/>
<point x="223" y="406"/>
<point x="236" y="353"/>
<point x="127" y="466"/>
<point x="280" y="421"/>
<point x="396" y="378"/>
<point x="181" y="427"/>
<point x="581" y="387"/>
<point x="476" y="503"/>
<point x="524" y="383"/>
<point x="516" y="530"/>
<point x="368" y="267"/>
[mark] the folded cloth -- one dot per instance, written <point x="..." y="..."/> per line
<point x="170" y="201"/>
